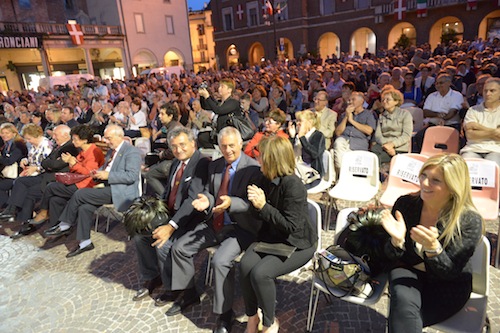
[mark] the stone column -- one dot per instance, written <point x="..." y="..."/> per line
<point x="88" y="61"/>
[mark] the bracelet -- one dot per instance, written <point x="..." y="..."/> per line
<point x="438" y="250"/>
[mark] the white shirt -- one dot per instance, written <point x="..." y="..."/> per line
<point x="437" y="103"/>
<point x="488" y="118"/>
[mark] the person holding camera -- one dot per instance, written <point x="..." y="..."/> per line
<point x="223" y="108"/>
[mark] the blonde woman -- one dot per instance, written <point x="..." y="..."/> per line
<point x="309" y="143"/>
<point x="394" y="128"/>
<point x="434" y="233"/>
<point x="13" y="150"/>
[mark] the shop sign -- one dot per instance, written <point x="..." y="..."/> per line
<point x="20" y="42"/>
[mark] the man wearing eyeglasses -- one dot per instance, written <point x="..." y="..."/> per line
<point x="441" y="108"/>
<point x="326" y="117"/>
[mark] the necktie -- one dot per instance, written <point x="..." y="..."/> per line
<point x="175" y="188"/>
<point x="113" y="152"/>
<point x="218" y="222"/>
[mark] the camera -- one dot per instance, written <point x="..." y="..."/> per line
<point x="204" y="85"/>
<point x="91" y="84"/>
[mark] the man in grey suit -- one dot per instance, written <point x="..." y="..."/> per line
<point x="231" y="224"/>
<point x="120" y="178"/>
<point x="189" y="171"/>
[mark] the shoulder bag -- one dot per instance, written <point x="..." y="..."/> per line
<point x="242" y="124"/>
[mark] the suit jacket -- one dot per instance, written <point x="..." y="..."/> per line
<point x="192" y="183"/>
<point x="124" y="176"/>
<point x="223" y="110"/>
<point x="53" y="163"/>
<point x="247" y="173"/>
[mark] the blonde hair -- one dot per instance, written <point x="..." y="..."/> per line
<point x="277" y="157"/>
<point x="456" y="177"/>
<point x="308" y="115"/>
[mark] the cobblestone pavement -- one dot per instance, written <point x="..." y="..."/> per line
<point x="43" y="291"/>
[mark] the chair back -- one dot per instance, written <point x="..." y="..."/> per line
<point x="418" y="117"/>
<point x="328" y="166"/>
<point x="315" y="217"/>
<point x="485" y="182"/>
<point x="342" y="221"/>
<point x="403" y="177"/>
<point x="440" y="139"/>
<point x="144" y="145"/>
<point x="358" y="178"/>
<point x="480" y="262"/>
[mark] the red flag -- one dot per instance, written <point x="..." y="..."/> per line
<point x="471" y="5"/>
<point x="75" y="31"/>
<point x="399" y="9"/>
<point x="421" y="8"/>
<point x="240" y="12"/>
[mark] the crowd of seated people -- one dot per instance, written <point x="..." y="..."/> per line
<point x="344" y="103"/>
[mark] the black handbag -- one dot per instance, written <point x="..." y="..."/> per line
<point x="343" y="273"/>
<point x="242" y="124"/>
<point x="144" y="215"/>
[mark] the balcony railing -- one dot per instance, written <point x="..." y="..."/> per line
<point x="58" y="29"/>
<point x="411" y="5"/>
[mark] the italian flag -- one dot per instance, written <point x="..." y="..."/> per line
<point x="421" y="8"/>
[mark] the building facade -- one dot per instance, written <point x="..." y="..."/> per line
<point x="247" y="31"/>
<point x="112" y="39"/>
<point x="202" y="39"/>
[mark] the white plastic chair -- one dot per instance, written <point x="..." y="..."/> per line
<point x="358" y="179"/>
<point x="317" y="285"/>
<point x="144" y="145"/>
<point x="403" y="177"/>
<point x="418" y="117"/>
<point x="485" y="182"/>
<point x="212" y="153"/>
<point x="472" y="317"/>
<point x="329" y="177"/>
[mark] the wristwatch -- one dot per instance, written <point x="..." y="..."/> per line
<point x="438" y="250"/>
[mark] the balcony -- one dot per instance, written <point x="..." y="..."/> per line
<point x="58" y="29"/>
<point x="202" y="47"/>
<point x="411" y="5"/>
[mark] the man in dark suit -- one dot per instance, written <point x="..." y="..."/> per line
<point x="231" y="225"/>
<point x="68" y="117"/>
<point x="120" y="176"/>
<point x="186" y="178"/>
<point x="28" y="190"/>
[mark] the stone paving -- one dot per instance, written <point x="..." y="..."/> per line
<point x="42" y="291"/>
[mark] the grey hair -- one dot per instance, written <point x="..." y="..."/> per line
<point x="229" y="130"/>
<point x="178" y="130"/>
<point x="115" y="129"/>
<point x="65" y="129"/>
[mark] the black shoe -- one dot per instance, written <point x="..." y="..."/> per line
<point x="182" y="304"/>
<point x="35" y="222"/>
<point x="9" y="217"/>
<point x="56" y="231"/>
<point x="79" y="250"/>
<point x="225" y="322"/>
<point x="147" y="289"/>
<point x="25" y="230"/>
<point x="165" y="298"/>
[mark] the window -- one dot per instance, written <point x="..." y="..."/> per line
<point x="26" y="4"/>
<point x="203" y="57"/>
<point x="169" y="20"/>
<point x="253" y="13"/>
<point x="201" y="29"/>
<point x="227" y="14"/>
<point x="139" y="23"/>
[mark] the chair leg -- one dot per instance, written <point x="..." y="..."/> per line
<point x="96" y="221"/>
<point x="107" y="223"/>
<point x="313" y="305"/>
<point x="208" y="274"/>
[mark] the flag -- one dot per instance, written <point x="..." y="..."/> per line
<point x="282" y="5"/>
<point x="75" y="31"/>
<point x="267" y="8"/>
<point x="471" y="5"/>
<point x="240" y="12"/>
<point x="421" y="8"/>
<point x="399" y="9"/>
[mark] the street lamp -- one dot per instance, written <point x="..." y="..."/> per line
<point x="271" y="9"/>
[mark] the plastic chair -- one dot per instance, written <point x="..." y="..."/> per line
<point x="440" y="139"/>
<point x="317" y="285"/>
<point x="472" y="317"/>
<point x="403" y="177"/>
<point x="485" y="184"/>
<point x="418" y="117"/>
<point x="144" y="145"/>
<point x="212" y="153"/>
<point x="329" y="177"/>
<point x="315" y="217"/>
<point x="358" y="179"/>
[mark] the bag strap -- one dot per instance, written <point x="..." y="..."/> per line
<point x="320" y="276"/>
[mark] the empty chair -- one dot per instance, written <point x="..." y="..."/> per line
<point x="472" y="317"/>
<point x="317" y="285"/>
<point x="358" y="178"/>
<point x="144" y="145"/>
<point x="484" y="179"/>
<point x="418" y="117"/>
<point x="403" y="177"/>
<point x="328" y="178"/>
<point x="440" y="139"/>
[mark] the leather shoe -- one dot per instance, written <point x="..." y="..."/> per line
<point x="35" y="222"/>
<point x="8" y="217"/>
<point x="165" y="298"/>
<point x="182" y="304"/>
<point x="79" y="250"/>
<point x="56" y="231"/>
<point x="147" y="289"/>
<point x="224" y="323"/>
<point x="26" y="229"/>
